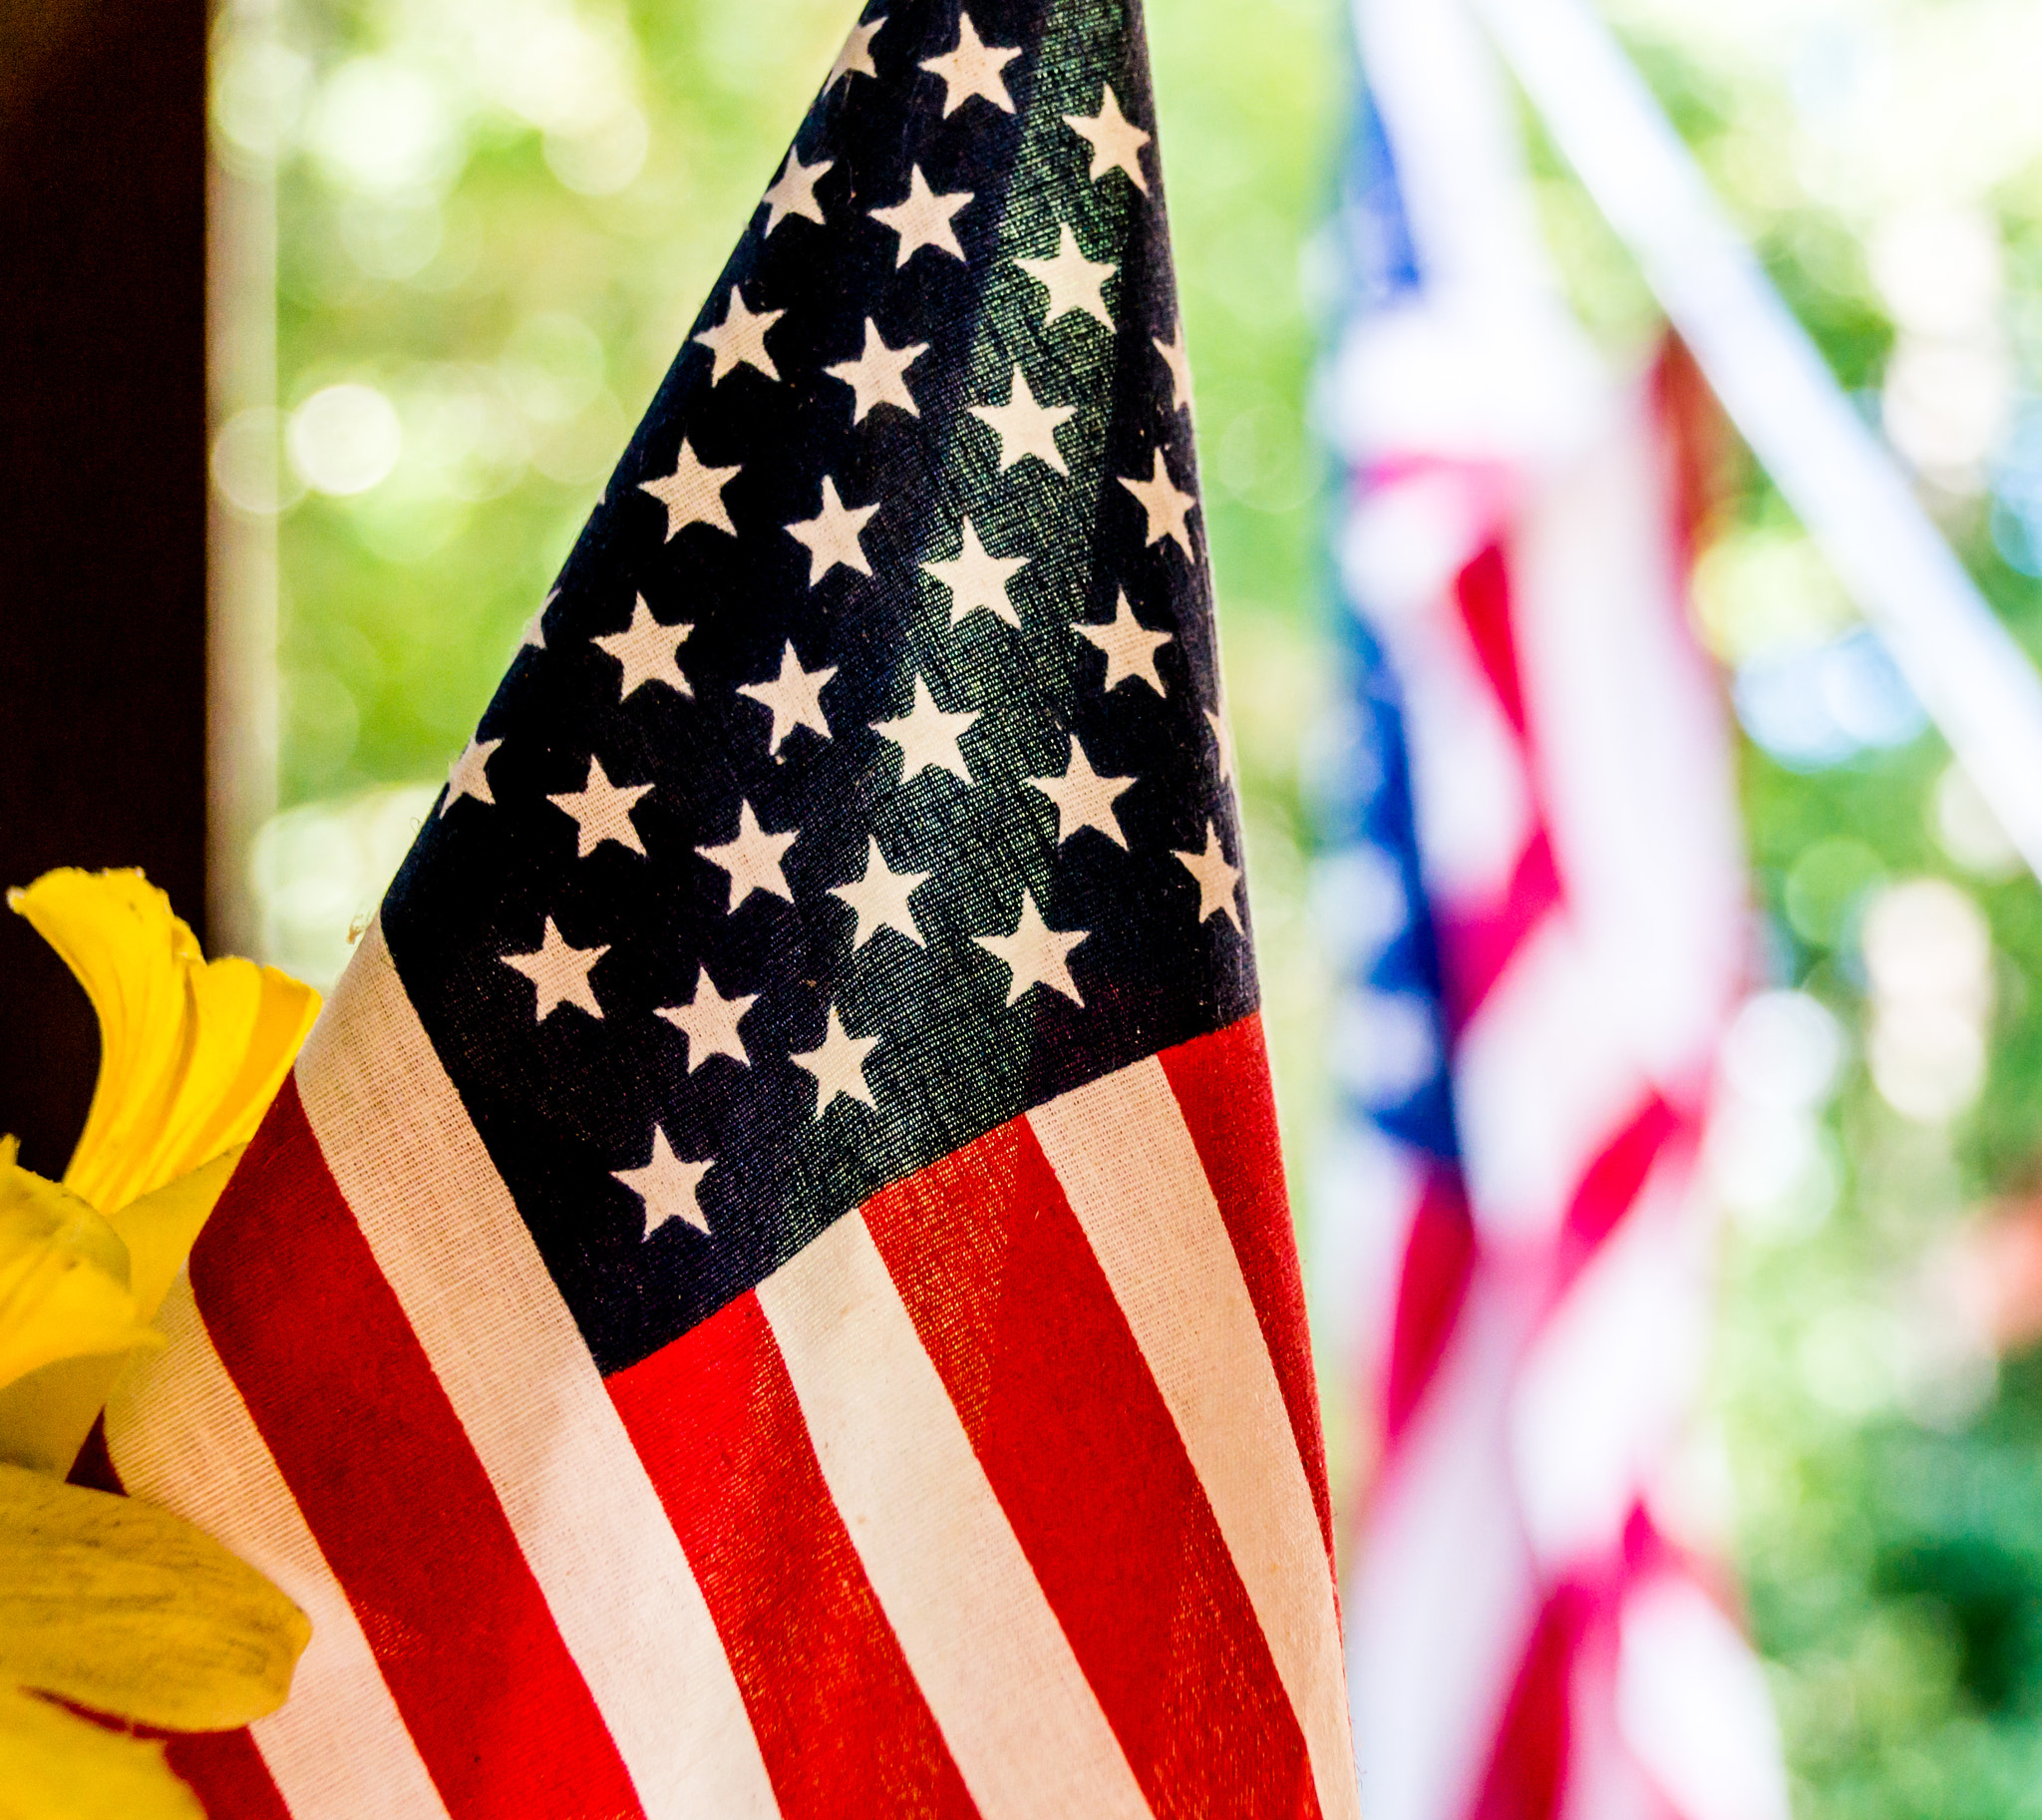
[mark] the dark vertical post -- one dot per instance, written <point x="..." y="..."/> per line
<point x="102" y="495"/>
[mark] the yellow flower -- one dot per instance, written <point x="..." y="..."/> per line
<point x="107" y="1604"/>
<point x="192" y="1052"/>
<point x="65" y="1285"/>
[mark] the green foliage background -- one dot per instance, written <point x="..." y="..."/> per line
<point x="454" y="233"/>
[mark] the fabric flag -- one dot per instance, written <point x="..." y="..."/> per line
<point x="1534" y="897"/>
<point x="769" y="1289"/>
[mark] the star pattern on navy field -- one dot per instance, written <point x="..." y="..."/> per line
<point x="1072" y="281"/>
<point x="739" y="339"/>
<point x="1026" y="427"/>
<point x="1115" y="139"/>
<point x="878" y="376"/>
<point x="469" y="775"/>
<point x="888" y="729"/>
<point x="971" y="68"/>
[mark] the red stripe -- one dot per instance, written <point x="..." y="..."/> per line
<point x="1483" y="592"/>
<point x="379" y="1464"/>
<point x="1528" y="1773"/>
<point x="1090" y="1471"/>
<point x="1475" y="948"/>
<point x="840" y="1721"/>
<point x="1613" y="1180"/>
<point x="227" y="1774"/>
<point x="1221" y="1084"/>
<point x="1439" y="1263"/>
<point x="224" y="1768"/>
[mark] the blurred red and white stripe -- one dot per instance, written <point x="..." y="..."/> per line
<point x="1524" y="1639"/>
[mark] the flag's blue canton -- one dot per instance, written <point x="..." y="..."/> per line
<point x="1389" y="1052"/>
<point x="1375" y="229"/>
<point x="862" y="783"/>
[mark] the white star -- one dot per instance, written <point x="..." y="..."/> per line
<point x="880" y="898"/>
<point x="856" y="59"/>
<point x="839" y="1065"/>
<point x="667" y="1186"/>
<point x="928" y="737"/>
<point x="1129" y="646"/>
<point x="693" y="493"/>
<point x="468" y="774"/>
<point x="1176" y="357"/>
<point x="1035" y="953"/>
<point x="977" y="581"/>
<point x="739" y="339"/>
<point x="878" y="375"/>
<point x="832" y="536"/>
<point x="1115" y="139"/>
<point x="560" y="972"/>
<point x="709" y="1022"/>
<point x="793" y="191"/>
<point x="1024" y="427"/>
<point x="751" y="857"/>
<point x="1084" y="799"/>
<point x="924" y="219"/>
<point x="649" y="652"/>
<point x="602" y="811"/>
<point x="1072" y="281"/>
<point x="1222" y="741"/>
<point x="1166" y="505"/>
<point x="970" y="68"/>
<point x="534" y="633"/>
<point x="795" y="697"/>
<point x="1217" y="879"/>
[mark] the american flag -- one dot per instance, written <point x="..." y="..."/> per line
<point x="1534" y="897"/>
<point x="769" y="1289"/>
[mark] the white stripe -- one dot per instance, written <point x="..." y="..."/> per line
<point x="461" y="1264"/>
<point x="1633" y="758"/>
<point x="180" y="1436"/>
<point x="1021" y="1720"/>
<point x="1132" y="1177"/>
<point x="1444" y="1592"/>
<point x="1544" y="1077"/>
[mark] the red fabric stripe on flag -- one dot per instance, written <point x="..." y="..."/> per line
<point x="1221" y="1084"/>
<point x="1612" y="1181"/>
<point x="1439" y="1261"/>
<point x="224" y="1768"/>
<point x="1476" y="948"/>
<point x="1082" y="1452"/>
<point x="1528" y="1772"/>
<point x="840" y="1721"/>
<point x="381" y="1468"/>
<point x="227" y="1774"/>
<point x="1483" y="592"/>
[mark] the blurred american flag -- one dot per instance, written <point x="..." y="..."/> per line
<point x="1534" y="897"/>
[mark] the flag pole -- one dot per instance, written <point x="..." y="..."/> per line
<point x="1974" y="680"/>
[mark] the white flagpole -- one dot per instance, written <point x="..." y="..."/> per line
<point x="1976" y="683"/>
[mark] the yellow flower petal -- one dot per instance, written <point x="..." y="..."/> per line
<point x="122" y="1608"/>
<point x="55" y="1766"/>
<point x="63" y="1277"/>
<point x="46" y="1415"/>
<point x="191" y="1052"/>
